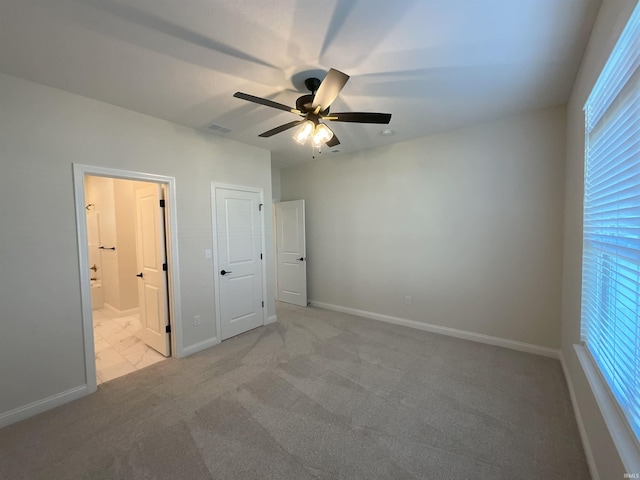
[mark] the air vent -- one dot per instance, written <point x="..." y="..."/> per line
<point x="218" y="128"/>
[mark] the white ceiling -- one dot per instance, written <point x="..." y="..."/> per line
<point x="434" y="64"/>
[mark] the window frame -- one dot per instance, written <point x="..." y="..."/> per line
<point x="626" y="440"/>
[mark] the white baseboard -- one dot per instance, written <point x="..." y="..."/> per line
<point x="588" y="453"/>
<point x="271" y="319"/>
<point x="452" y="332"/>
<point x="121" y="313"/>
<point x="39" y="406"/>
<point x="198" y="347"/>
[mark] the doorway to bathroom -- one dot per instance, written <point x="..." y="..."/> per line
<point x="125" y="233"/>
<point x="127" y="258"/>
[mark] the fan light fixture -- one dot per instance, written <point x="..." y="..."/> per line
<point x="319" y="133"/>
<point x="305" y="131"/>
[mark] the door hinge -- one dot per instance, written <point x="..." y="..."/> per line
<point x="167" y="329"/>
<point x="162" y="203"/>
<point x="164" y="267"/>
<point x="263" y="304"/>
<point x="260" y="206"/>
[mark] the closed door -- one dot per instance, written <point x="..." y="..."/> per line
<point x="152" y="278"/>
<point x="238" y="220"/>
<point x="292" y="254"/>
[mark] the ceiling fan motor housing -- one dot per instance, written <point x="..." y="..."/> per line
<point x="304" y="104"/>
<point x="312" y="84"/>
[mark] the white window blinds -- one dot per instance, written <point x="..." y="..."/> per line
<point x="611" y="255"/>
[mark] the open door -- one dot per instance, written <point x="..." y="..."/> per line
<point x="292" y="252"/>
<point x="152" y="278"/>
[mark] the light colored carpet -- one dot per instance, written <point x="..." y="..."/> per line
<point x="319" y="395"/>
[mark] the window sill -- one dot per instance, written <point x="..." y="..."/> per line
<point x="624" y="440"/>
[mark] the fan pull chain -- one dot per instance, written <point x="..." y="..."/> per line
<point x="313" y="151"/>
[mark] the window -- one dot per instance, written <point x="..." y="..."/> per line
<point x="611" y="232"/>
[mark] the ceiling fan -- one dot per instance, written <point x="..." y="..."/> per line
<point x="314" y="108"/>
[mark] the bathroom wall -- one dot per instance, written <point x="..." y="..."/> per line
<point x="125" y="207"/>
<point x="95" y="260"/>
<point x="114" y="201"/>
<point x="100" y="192"/>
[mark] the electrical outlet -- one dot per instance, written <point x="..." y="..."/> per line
<point x="407" y="300"/>
<point x="196" y="320"/>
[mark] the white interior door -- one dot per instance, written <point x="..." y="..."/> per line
<point x="238" y="221"/>
<point x="151" y="257"/>
<point x="292" y="252"/>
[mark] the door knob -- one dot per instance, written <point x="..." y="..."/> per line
<point x="224" y="272"/>
<point x="139" y="275"/>
<point x="301" y="259"/>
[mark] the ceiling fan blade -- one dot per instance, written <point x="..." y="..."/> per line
<point x="266" y="102"/>
<point x="329" y="89"/>
<point x="333" y="141"/>
<point x="281" y="128"/>
<point x="360" y="117"/>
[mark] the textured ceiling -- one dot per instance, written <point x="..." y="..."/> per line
<point x="434" y="64"/>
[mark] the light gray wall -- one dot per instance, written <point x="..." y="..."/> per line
<point x="275" y="192"/>
<point x="275" y="184"/>
<point x="42" y="132"/>
<point x="611" y="19"/>
<point x="467" y="223"/>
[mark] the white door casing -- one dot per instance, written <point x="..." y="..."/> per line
<point x="238" y="247"/>
<point x="168" y="183"/>
<point x="291" y="252"/>
<point x="151" y="257"/>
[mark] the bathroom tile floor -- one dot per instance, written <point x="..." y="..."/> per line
<point x="118" y="345"/>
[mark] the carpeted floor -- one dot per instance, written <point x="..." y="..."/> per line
<point x="319" y="395"/>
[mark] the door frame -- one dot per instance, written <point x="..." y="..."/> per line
<point x="171" y="244"/>
<point x="214" y="239"/>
